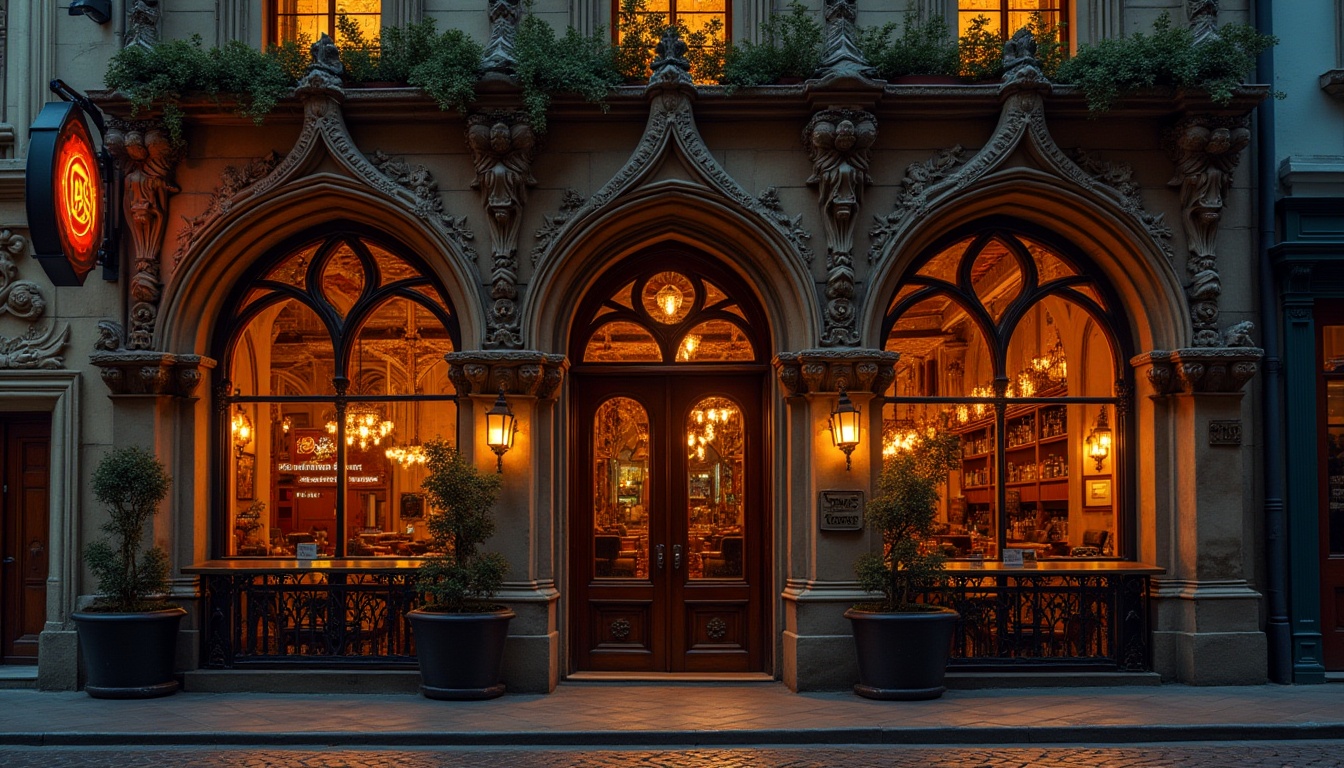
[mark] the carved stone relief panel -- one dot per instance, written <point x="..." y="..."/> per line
<point x="502" y="146"/>
<point x="35" y="348"/>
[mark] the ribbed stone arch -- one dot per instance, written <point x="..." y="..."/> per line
<point x="673" y="212"/>
<point x="193" y="297"/>
<point x="1132" y="261"/>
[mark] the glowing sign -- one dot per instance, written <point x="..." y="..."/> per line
<point x="65" y="194"/>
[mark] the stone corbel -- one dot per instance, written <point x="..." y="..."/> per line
<point x="1206" y="150"/>
<point x="514" y="372"/>
<point x="132" y="372"/>
<point x="838" y="142"/>
<point x="146" y="157"/>
<point x="858" y="371"/>
<point x="1202" y="370"/>
<point x="502" y="146"/>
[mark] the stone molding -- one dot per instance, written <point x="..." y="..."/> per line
<point x="23" y="299"/>
<point x="944" y="178"/>
<point x="20" y="298"/>
<point x="820" y="371"/>
<point x="1200" y="370"/>
<point x="145" y="155"/>
<point x="140" y="372"/>
<point x="513" y="372"/>
<point x="837" y="143"/>
<point x="1206" y="150"/>
<point x="502" y="146"/>
<point x="411" y="188"/>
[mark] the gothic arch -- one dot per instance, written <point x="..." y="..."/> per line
<point x="677" y="212"/>
<point x="193" y="298"/>
<point x="1132" y="261"/>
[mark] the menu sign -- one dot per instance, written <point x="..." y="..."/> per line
<point x="314" y="463"/>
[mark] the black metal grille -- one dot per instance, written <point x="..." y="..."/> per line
<point x="1011" y="621"/>
<point x="309" y="618"/>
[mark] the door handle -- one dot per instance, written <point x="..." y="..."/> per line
<point x="660" y="556"/>
<point x="676" y="556"/>
<point x="7" y="560"/>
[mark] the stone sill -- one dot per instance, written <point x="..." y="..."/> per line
<point x="716" y="102"/>
<point x="1332" y="82"/>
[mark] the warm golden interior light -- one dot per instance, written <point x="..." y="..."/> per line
<point x="669" y="299"/>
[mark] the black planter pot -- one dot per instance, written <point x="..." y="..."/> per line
<point x="902" y="656"/>
<point x="129" y="655"/>
<point x="461" y="654"/>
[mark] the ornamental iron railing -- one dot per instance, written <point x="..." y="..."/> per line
<point x="308" y="618"/>
<point x="1025" y="620"/>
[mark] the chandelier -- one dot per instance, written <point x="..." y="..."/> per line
<point x="365" y="424"/>
<point x="408" y="456"/>
<point x="707" y="424"/>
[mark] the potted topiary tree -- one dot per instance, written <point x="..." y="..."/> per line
<point x="459" y="632"/>
<point x="128" y="635"/>
<point x="902" y="643"/>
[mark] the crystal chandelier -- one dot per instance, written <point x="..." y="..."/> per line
<point x="365" y="425"/>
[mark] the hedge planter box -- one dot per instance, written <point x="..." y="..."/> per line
<point x="129" y="655"/>
<point x="461" y="654"/>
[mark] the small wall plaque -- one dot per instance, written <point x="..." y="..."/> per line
<point x="840" y="510"/>
<point x="1227" y="432"/>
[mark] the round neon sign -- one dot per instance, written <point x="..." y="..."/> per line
<point x="79" y="205"/>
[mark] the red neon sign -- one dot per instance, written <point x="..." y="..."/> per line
<point x="79" y="205"/>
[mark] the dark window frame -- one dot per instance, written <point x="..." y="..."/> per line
<point x="1062" y="22"/>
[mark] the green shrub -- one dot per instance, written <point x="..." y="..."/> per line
<point x="1051" y="50"/>
<point x="448" y="65"/>
<point x="359" y="55"/>
<point x="131" y="483"/>
<point x="1168" y="58"/>
<point x="574" y="63"/>
<point x="904" y="512"/>
<point x="924" y="47"/>
<point x="790" y="47"/>
<point x="458" y="577"/>
<point x="981" y="51"/>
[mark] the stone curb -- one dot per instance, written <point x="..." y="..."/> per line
<point x="1000" y="735"/>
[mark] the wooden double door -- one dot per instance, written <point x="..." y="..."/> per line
<point x="669" y="537"/>
<point x="25" y="464"/>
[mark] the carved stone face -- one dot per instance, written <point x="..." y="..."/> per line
<point x="499" y="138"/>
<point x="845" y="136"/>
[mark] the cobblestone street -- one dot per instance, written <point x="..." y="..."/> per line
<point x="1315" y="754"/>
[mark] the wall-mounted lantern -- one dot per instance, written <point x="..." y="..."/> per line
<point x="1099" y="439"/>
<point x="241" y="428"/>
<point x="500" y="426"/>
<point x="845" y="430"/>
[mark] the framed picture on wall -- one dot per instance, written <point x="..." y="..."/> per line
<point x="245" y="487"/>
<point x="412" y="506"/>
<point x="1097" y="493"/>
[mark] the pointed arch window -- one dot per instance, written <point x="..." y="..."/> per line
<point x="333" y="357"/>
<point x="1007" y="340"/>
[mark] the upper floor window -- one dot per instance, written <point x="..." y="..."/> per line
<point x="307" y="20"/>
<point x="1008" y="16"/>
<point x="704" y="26"/>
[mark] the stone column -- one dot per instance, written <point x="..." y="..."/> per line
<point x="1207" y="615"/>
<point x="530" y="511"/>
<point x="154" y="406"/>
<point x="818" y="646"/>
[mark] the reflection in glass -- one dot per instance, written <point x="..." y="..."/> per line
<point x="715" y="340"/>
<point x="996" y="278"/>
<point x="621" y="490"/>
<point x="342" y="279"/>
<point x="622" y="342"/>
<point x="714" y="482"/>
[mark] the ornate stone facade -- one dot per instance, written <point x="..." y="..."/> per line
<point x="841" y="57"/>
<point x="513" y="372"/>
<point x="813" y="371"/>
<point x="499" y="56"/>
<point x="1202" y="370"/>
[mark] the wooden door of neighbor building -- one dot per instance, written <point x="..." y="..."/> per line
<point x="1330" y="410"/>
<point x="25" y="461"/>
<point x="669" y="535"/>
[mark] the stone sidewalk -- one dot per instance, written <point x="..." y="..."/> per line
<point x="686" y="714"/>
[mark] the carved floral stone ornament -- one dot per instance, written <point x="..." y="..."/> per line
<point x="1201" y="370"/>
<point x="502" y="146"/>
<point x="814" y="371"/>
<point x="1203" y="19"/>
<point x="838" y="142"/>
<point x="512" y="372"/>
<point x="670" y="65"/>
<point x="142" y="23"/>
<point x="1206" y="150"/>
<point x="151" y="373"/>
<point x="146" y="157"/>
<point x="23" y="299"/>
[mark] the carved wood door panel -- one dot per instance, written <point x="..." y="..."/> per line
<point x="25" y="457"/>
<point x="668" y="537"/>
